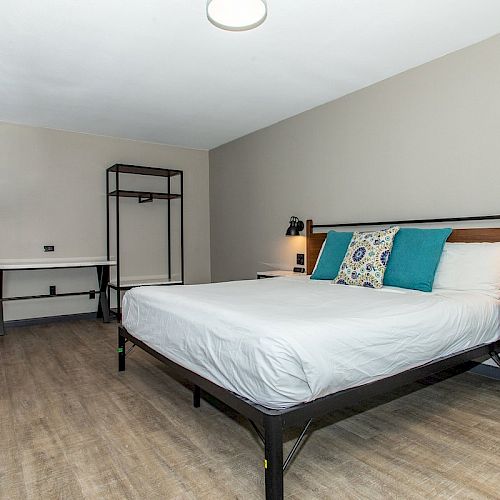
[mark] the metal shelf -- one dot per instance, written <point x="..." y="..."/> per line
<point x="128" y="284"/>
<point x="144" y="196"/>
<point x="137" y="169"/>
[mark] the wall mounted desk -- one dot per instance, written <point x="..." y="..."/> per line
<point x="102" y="267"/>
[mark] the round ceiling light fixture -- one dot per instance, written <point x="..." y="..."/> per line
<point x="236" y="15"/>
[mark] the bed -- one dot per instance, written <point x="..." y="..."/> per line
<point x="286" y="350"/>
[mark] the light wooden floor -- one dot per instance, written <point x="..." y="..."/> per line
<point x="71" y="427"/>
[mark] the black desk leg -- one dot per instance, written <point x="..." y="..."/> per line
<point x="103" y="305"/>
<point x="2" y="328"/>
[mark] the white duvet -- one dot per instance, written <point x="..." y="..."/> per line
<point x="283" y="341"/>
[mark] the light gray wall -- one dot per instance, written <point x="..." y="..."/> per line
<point x="52" y="191"/>
<point x="425" y="143"/>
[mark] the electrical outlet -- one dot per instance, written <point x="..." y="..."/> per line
<point x="52" y="289"/>
<point x="300" y="259"/>
<point x="48" y="248"/>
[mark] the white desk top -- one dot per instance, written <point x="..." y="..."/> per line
<point x="19" y="264"/>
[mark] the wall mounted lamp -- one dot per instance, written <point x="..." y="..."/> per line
<point x="295" y="227"/>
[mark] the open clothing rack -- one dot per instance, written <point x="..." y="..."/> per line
<point x="143" y="196"/>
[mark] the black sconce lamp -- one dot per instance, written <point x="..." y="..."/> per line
<point x="296" y="226"/>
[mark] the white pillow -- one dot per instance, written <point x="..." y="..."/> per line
<point x="470" y="266"/>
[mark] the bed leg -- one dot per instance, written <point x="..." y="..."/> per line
<point x="495" y="357"/>
<point x="196" y="396"/>
<point x="121" y="351"/>
<point x="273" y="461"/>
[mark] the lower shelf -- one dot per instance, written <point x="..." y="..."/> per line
<point x="161" y="281"/>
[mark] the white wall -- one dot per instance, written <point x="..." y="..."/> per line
<point x="52" y="191"/>
<point x="422" y="144"/>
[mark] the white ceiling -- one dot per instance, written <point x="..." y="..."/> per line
<point x="157" y="70"/>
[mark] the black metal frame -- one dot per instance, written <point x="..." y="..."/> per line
<point x="142" y="197"/>
<point x="411" y="221"/>
<point x="102" y="279"/>
<point x="274" y="422"/>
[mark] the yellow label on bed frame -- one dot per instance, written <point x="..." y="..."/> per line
<point x="265" y="463"/>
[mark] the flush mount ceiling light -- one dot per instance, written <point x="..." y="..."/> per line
<point x="236" y="15"/>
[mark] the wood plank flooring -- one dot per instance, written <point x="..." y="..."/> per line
<point x="72" y="427"/>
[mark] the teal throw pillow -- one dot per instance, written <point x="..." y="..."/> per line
<point x="332" y="255"/>
<point x="415" y="257"/>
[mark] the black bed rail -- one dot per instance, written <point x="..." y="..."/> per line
<point x="274" y="422"/>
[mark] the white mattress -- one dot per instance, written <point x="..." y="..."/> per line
<point x="283" y="341"/>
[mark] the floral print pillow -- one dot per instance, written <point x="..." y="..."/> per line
<point x="366" y="258"/>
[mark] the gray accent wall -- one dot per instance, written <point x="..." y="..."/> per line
<point x="422" y="144"/>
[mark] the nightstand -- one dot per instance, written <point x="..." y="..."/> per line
<point x="277" y="274"/>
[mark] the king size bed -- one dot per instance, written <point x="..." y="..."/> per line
<point x="284" y="351"/>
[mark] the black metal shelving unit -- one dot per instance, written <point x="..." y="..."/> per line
<point x="143" y="196"/>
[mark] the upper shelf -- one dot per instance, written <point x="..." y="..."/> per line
<point x="136" y="169"/>
<point x="144" y="195"/>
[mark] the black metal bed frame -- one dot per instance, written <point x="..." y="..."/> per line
<point x="274" y="422"/>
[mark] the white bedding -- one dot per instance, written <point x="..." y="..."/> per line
<point x="283" y="341"/>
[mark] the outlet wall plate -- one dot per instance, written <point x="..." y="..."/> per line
<point x="52" y="290"/>
<point x="300" y="259"/>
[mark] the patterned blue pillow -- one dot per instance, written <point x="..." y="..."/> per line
<point x="366" y="259"/>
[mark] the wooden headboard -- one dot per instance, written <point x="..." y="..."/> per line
<point x="314" y="241"/>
